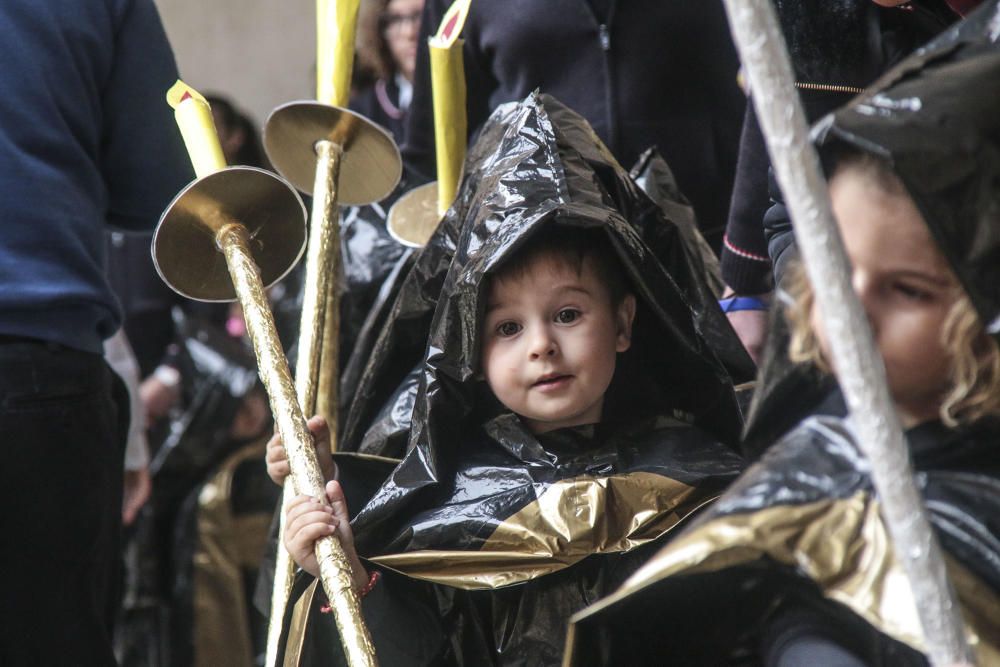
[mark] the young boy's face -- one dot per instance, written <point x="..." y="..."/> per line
<point x="549" y="342"/>
<point x="904" y="285"/>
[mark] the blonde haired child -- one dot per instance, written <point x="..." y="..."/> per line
<point x="794" y="564"/>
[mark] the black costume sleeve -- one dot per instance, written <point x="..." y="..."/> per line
<point x="778" y="230"/>
<point x="746" y="267"/>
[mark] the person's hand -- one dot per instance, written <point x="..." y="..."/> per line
<point x="277" y="459"/>
<point x="138" y="487"/>
<point x="748" y="315"/>
<point x="309" y="519"/>
<point x="751" y="328"/>
<point x="158" y="396"/>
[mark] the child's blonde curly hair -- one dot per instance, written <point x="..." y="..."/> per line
<point x="974" y="391"/>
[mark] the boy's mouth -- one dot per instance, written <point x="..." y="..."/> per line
<point x="552" y="381"/>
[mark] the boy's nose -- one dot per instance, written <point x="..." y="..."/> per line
<point x="542" y="345"/>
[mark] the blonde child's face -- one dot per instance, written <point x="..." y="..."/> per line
<point x="549" y="342"/>
<point x="904" y="285"/>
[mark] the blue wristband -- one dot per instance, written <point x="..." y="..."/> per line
<point x="737" y="303"/>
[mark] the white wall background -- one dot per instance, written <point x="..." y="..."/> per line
<point x="260" y="53"/>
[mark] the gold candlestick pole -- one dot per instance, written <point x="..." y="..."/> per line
<point x="339" y="157"/>
<point x="228" y="234"/>
<point x="325" y="206"/>
<point x="210" y="220"/>
<point x="316" y="349"/>
<point x="334" y="154"/>
<point x="315" y="380"/>
<point x="335" y="569"/>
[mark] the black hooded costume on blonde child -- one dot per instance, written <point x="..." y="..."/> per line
<point x="800" y="535"/>
<point x="482" y="561"/>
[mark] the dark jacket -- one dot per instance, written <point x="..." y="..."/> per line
<point x="840" y="44"/>
<point x="379" y="102"/>
<point x="87" y="140"/>
<point x="650" y="73"/>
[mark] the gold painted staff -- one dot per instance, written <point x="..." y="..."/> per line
<point x="413" y="219"/>
<point x="249" y="224"/>
<point x="337" y="156"/>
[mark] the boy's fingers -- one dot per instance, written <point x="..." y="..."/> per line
<point x="297" y="506"/>
<point x="278" y="472"/>
<point x="319" y="429"/>
<point x="310" y="515"/>
<point x="335" y="494"/>
<point x="305" y="539"/>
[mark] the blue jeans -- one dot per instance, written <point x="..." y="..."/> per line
<point x="63" y="418"/>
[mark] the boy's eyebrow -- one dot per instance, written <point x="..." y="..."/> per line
<point x="574" y="288"/>
<point x="493" y="304"/>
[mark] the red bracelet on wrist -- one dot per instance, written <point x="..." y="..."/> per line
<point x="372" y="580"/>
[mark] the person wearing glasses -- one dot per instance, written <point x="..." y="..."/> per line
<point x="387" y="54"/>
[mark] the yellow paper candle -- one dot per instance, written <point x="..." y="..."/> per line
<point x="336" y="23"/>
<point x="448" y="84"/>
<point x="194" y="118"/>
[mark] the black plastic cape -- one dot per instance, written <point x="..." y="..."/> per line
<point x="489" y="537"/>
<point x="801" y="530"/>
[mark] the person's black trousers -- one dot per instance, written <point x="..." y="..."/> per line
<point x="63" y="420"/>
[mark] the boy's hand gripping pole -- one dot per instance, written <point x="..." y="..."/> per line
<point x="860" y="370"/>
<point x="256" y="221"/>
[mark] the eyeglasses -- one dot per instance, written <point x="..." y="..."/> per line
<point x="396" y="22"/>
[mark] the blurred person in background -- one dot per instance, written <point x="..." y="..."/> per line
<point x="387" y="54"/>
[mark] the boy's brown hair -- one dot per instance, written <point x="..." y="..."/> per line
<point x="573" y="246"/>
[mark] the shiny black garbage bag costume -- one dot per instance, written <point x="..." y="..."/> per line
<point x="380" y="377"/>
<point x="488" y="536"/>
<point x="800" y="536"/>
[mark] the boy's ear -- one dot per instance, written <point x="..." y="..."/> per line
<point x="624" y="318"/>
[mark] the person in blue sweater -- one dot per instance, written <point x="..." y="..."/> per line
<point x="86" y="140"/>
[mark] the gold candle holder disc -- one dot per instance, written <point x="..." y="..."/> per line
<point x="414" y="217"/>
<point x="185" y="250"/>
<point x="371" y="165"/>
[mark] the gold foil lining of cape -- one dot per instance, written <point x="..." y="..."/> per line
<point x="299" y="625"/>
<point x="841" y="544"/>
<point x="228" y="545"/>
<point x="570" y="520"/>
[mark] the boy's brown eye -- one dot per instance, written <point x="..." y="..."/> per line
<point x="567" y="315"/>
<point x="507" y="329"/>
